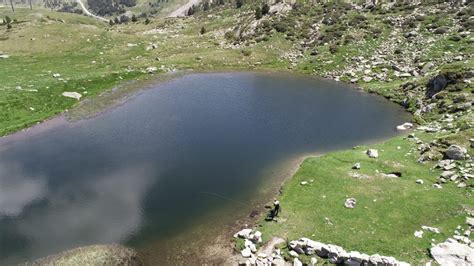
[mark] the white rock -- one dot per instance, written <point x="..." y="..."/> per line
<point x="418" y="234"/>
<point x="297" y="262"/>
<point x="437" y="186"/>
<point x="405" y="126"/>
<point x="453" y="253"/>
<point x="56" y="75"/>
<point x="74" y="95"/>
<point x="151" y="70"/>
<point x="350" y="203"/>
<point x="4" y="56"/>
<point x="372" y="153"/>
<point x="456" y="152"/>
<point x="246" y="253"/>
<point x="431" y="229"/>
<point x="419" y="181"/>
<point x="293" y="253"/>
<point x="313" y="261"/>
<point x="244" y="233"/>
<point x="470" y="221"/>
<point x="356" y="166"/>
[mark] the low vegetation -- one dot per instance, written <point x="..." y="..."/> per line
<point x="393" y="52"/>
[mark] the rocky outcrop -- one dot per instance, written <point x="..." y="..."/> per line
<point x="453" y="253"/>
<point x="93" y="255"/>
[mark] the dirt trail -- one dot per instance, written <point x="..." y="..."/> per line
<point x="181" y="11"/>
<point x="88" y="13"/>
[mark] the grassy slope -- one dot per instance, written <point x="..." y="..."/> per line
<point x="385" y="226"/>
<point x="388" y="211"/>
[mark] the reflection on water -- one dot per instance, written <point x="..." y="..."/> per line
<point x="151" y="169"/>
<point x="17" y="192"/>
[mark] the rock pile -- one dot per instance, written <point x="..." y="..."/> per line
<point x="337" y="255"/>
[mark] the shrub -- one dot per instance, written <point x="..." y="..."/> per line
<point x="258" y="13"/>
<point x="134" y="18"/>
<point x="8" y="20"/>
<point x="246" y="52"/>
<point x="280" y="26"/>
<point x="203" y="30"/>
<point x="9" y="26"/>
<point x="333" y="48"/>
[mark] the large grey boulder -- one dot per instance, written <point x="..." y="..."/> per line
<point x="453" y="253"/>
<point x="93" y="255"/>
<point x="455" y="152"/>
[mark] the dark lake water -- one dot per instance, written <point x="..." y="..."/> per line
<point x="172" y="158"/>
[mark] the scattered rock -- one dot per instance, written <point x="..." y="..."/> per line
<point x="74" y="95"/>
<point x="436" y="85"/>
<point x="372" y="153"/>
<point x="418" y="234"/>
<point x="453" y="253"/>
<point x="405" y="126"/>
<point x="356" y="166"/>
<point x="151" y="70"/>
<point x="56" y="75"/>
<point x="431" y="229"/>
<point x="350" y="203"/>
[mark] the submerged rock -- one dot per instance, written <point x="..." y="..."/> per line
<point x="93" y="255"/>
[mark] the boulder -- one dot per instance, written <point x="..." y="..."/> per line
<point x="151" y="70"/>
<point x="405" y="126"/>
<point x="455" y="152"/>
<point x="246" y="253"/>
<point x="372" y="153"/>
<point x="74" y="95"/>
<point x="453" y="253"/>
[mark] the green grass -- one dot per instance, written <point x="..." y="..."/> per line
<point x="388" y="211"/>
<point x="41" y="44"/>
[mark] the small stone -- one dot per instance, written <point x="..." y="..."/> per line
<point x="297" y="262"/>
<point x="418" y="234"/>
<point x="419" y="181"/>
<point x="56" y="75"/>
<point x="437" y="186"/>
<point x="74" y="95"/>
<point x="304" y="183"/>
<point x="356" y="166"/>
<point x="293" y="253"/>
<point x="405" y="126"/>
<point x="246" y="253"/>
<point x="372" y="153"/>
